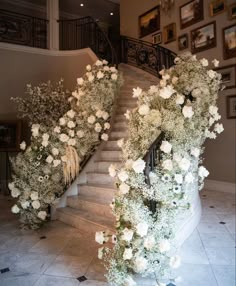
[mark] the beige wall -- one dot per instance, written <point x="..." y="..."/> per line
<point x="220" y="153"/>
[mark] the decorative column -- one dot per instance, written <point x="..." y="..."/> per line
<point x="53" y="25"/>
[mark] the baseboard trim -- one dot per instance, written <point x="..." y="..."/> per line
<point x="220" y="186"/>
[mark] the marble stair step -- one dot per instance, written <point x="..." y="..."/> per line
<point x="93" y="205"/>
<point x="99" y="191"/>
<point x="110" y="144"/>
<point x="103" y="166"/>
<point x="116" y="135"/>
<point x="84" y="221"/>
<point x="121" y="124"/>
<point x="100" y="178"/>
<point x="110" y="155"/>
<point x="120" y="118"/>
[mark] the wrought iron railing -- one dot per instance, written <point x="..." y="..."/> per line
<point x="83" y="33"/>
<point x="145" y="55"/>
<point x="22" y="29"/>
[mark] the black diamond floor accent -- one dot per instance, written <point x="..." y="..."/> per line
<point x="43" y="237"/>
<point x="82" y="278"/>
<point x="222" y="222"/>
<point x="212" y="207"/>
<point x="4" y="270"/>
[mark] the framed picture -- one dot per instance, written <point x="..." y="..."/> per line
<point x="231" y="106"/>
<point x="149" y="22"/>
<point x="232" y="12"/>
<point x="169" y="33"/>
<point x="191" y="13"/>
<point x="10" y="135"/>
<point x="157" y="38"/>
<point x="229" y="42"/>
<point x="228" y="76"/>
<point x="183" y="42"/>
<point x="217" y="7"/>
<point x="203" y="38"/>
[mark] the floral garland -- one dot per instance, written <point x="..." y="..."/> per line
<point x="56" y="151"/>
<point x="183" y="108"/>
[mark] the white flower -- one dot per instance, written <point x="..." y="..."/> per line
<point x="138" y="166"/>
<point x="55" y="151"/>
<point x="167" y="165"/>
<point x="215" y="63"/>
<point x="80" y="134"/>
<point x="120" y="143"/>
<point x="15" y="209"/>
<point x="122" y="175"/>
<point x="211" y="74"/>
<point x="177" y="158"/>
<point x="42" y="215"/>
<point x="99" y="113"/>
<point x="162" y="83"/>
<point x="184" y="164"/>
<point x="62" y="121"/>
<point x="72" y="142"/>
<point x="164" y="246"/>
<point x="40" y="179"/>
<point x="128" y="254"/>
<point x="113" y="69"/>
<point x="210" y="135"/>
<point x="195" y="152"/>
<point x="98" y="127"/>
<point x="35" y="130"/>
<point x="49" y="159"/>
<point x="98" y="63"/>
<point x="167" y="91"/>
<point x="71" y="113"/>
<point x="140" y="264"/>
<point x="80" y="81"/>
<point x="45" y="143"/>
<point x="142" y="229"/>
<point x="129" y="164"/>
<point x="166" y="147"/>
<point x="56" y="163"/>
<point x="213" y="110"/>
<point x="11" y="186"/>
<point x="34" y="196"/>
<point x="106" y="68"/>
<point x="15" y="192"/>
<point x="137" y="92"/>
<point x="187" y="111"/>
<point x="179" y="179"/>
<point x="166" y="76"/>
<point x="127" y="234"/>
<point x="90" y="78"/>
<point x="100" y="237"/>
<point x="64" y="138"/>
<point x="25" y="204"/>
<point x="91" y="119"/>
<point x="153" y="89"/>
<point x="124" y="188"/>
<point x="113" y="239"/>
<point x="22" y="145"/>
<point x="57" y="129"/>
<point x="107" y="126"/>
<point x="105" y="115"/>
<point x="174" y="79"/>
<point x="129" y="281"/>
<point x="189" y="178"/>
<point x="36" y="205"/>
<point x="127" y="114"/>
<point x="104" y="137"/>
<point x="179" y="99"/>
<point x="100" y="252"/>
<point x="45" y="137"/>
<point x="143" y="109"/>
<point x="112" y="171"/>
<point x="175" y="261"/>
<point x="71" y="133"/>
<point x="204" y="62"/>
<point x="219" y="128"/>
<point x="114" y="76"/>
<point x="149" y="242"/>
<point x="177" y="189"/>
<point x="88" y="67"/>
<point x="70" y="124"/>
<point x="203" y="172"/>
<point x="104" y="62"/>
<point x="100" y="75"/>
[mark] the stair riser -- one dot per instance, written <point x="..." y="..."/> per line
<point x="103" y="166"/>
<point x="111" y="155"/>
<point x="106" y="194"/>
<point x="100" y="179"/>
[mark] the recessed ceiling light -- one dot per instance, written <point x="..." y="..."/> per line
<point x="111" y="14"/>
<point x="82" y="5"/>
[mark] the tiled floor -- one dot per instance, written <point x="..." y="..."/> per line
<point x="58" y="254"/>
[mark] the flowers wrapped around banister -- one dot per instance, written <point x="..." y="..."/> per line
<point x="60" y="141"/>
<point x="183" y="108"/>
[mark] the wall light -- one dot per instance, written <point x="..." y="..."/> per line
<point x="111" y="14"/>
<point x="82" y="5"/>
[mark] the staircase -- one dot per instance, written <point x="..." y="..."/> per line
<point x="90" y="209"/>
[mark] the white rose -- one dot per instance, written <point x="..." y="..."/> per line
<point x="15" y="209"/>
<point x="137" y="92"/>
<point x="138" y="166"/>
<point x="98" y="127"/>
<point x="179" y="99"/>
<point x="179" y="179"/>
<point x="70" y="124"/>
<point x="162" y="83"/>
<point x="80" y="81"/>
<point x="22" y="145"/>
<point x="34" y="196"/>
<point x="42" y="215"/>
<point x="142" y="229"/>
<point x="11" y="186"/>
<point x="107" y="126"/>
<point x="71" y="142"/>
<point x="149" y="242"/>
<point x="25" y="204"/>
<point x="195" y="152"/>
<point x="88" y="67"/>
<point x="104" y="137"/>
<point x="215" y="63"/>
<point x="213" y="109"/>
<point x="189" y="178"/>
<point x="166" y="76"/>
<point x="219" y="128"/>
<point x="45" y="137"/>
<point x="124" y="188"/>
<point x="129" y="281"/>
<point x="49" y="159"/>
<point x="91" y="78"/>
<point x="35" y="130"/>
<point x="104" y="62"/>
<point x="167" y="165"/>
<point x="80" y="134"/>
<point x="106" y="68"/>
<point x="57" y="129"/>
<point x="15" y="193"/>
<point x="143" y="109"/>
<point x="36" y="205"/>
<point x="175" y="261"/>
<point x="99" y="113"/>
<point x="113" y="69"/>
<point x="91" y="119"/>
<point x="167" y="91"/>
<point x="187" y="111"/>
<point x="128" y="254"/>
<point x="62" y="121"/>
<point x="55" y="151"/>
<point x="56" y="163"/>
<point x="120" y="143"/>
<point x="100" y="237"/>
<point x="64" y="138"/>
<point x="203" y="172"/>
<point x="211" y="74"/>
<point x="184" y="164"/>
<point x="100" y="75"/>
<point x="166" y="147"/>
<point x="114" y="76"/>
<point x="174" y="79"/>
<point x="164" y="246"/>
<point x="98" y="63"/>
<point x="153" y="89"/>
<point x="105" y="115"/>
<point x="123" y="176"/>
<point x="140" y="264"/>
<point x="204" y="62"/>
<point x="45" y="143"/>
<point x="71" y="133"/>
<point x="127" y="234"/>
<point x="100" y="252"/>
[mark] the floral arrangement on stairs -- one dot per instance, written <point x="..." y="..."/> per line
<point x="66" y="128"/>
<point x="183" y="108"/>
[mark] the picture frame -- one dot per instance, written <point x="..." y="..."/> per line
<point x="203" y="38"/>
<point x="231" y="106"/>
<point x="149" y="22"/>
<point x="183" y="42"/>
<point x="217" y="7"/>
<point x="229" y="42"/>
<point x="10" y="135"/>
<point x="169" y="33"/>
<point x="228" y="76"/>
<point x="232" y="11"/>
<point x="157" y="38"/>
<point x="191" y="13"/>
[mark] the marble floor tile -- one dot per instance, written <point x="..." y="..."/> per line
<point x="217" y="240"/>
<point x="46" y="280"/>
<point x="221" y="256"/>
<point x="193" y="255"/>
<point x="96" y="270"/>
<point x="211" y="227"/>
<point x="7" y="259"/>
<point x="18" y="279"/>
<point x="94" y="283"/>
<point x="80" y="247"/>
<point x="225" y="275"/>
<point x="230" y="222"/>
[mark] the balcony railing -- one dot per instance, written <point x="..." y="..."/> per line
<point x="22" y="29"/>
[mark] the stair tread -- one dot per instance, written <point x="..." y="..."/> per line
<point x="94" y="200"/>
<point x="99" y="186"/>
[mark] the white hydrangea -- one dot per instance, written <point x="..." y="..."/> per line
<point x="114" y="76"/>
<point x="138" y="166"/>
<point x="120" y="143"/>
<point x="25" y="204"/>
<point x="188" y="111"/>
<point x="137" y="92"/>
<point x="189" y="178"/>
<point x="215" y="63"/>
<point x="127" y="234"/>
<point x="128" y="254"/>
<point x="62" y="121"/>
<point x="167" y="91"/>
<point x="142" y="229"/>
<point x="88" y="67"/>
<point x="124" y="188"/>
<point x="56" y="163"/>
<point x="98" y="63"/>
<point x="57" y="129"/>
<point x="36" y="204"/>
<point x="105" y="115"/>
<point x="166" y="147"/>
<point x="164" y="246"/>
<point x="15" y="193"/>
<point x="42" y="215"/>
<point x="71" y="142"/>
<point x="167" y="165"/>
<point x="143" y="109"/>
